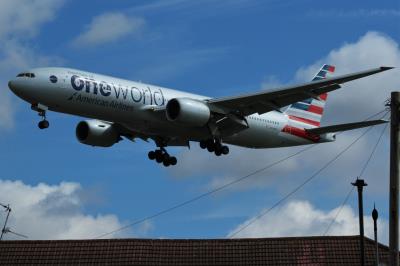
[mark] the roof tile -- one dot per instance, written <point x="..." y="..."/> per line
<point x="330" y="250"/>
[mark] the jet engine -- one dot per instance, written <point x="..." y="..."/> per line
<point x="188" y="112"/>
<point x="96" y="133"/>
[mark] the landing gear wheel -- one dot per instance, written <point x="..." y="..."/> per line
<point x="210" y="145"/>
<point x="215" y="146"/>
<point x="218" y="152"/>
<point x="166" y="157"/>
<point x="43" y="124"/>
<point x="173" y="160"/>
<point x="152" y="155"/>
<point x="225" y="150"/>
<point x="159" y="156"/>
<point x="162" y="156"/>
<point x="158" y="153"/>
<point x="203" y="144"/>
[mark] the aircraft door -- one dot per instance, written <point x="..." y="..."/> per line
<point x="64" y="81"/>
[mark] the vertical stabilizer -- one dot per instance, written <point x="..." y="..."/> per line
<point x="308" y="113"/>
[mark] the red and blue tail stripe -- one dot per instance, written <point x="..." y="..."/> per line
<point x="308" y="113"/>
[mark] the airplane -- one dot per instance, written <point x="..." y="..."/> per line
<point x="119" y="108"/>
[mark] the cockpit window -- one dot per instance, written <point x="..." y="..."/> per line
<point x="28" y="75"/>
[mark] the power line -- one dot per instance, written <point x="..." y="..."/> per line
<point x="235" y="181"/>
<point x="262" y="214"/>
<point x="352" y="187"/>
<point x="339" y="211"/>
<point x="378" y="113"/>
<point x="373" y="151"/>
<point x="207" y="193"/>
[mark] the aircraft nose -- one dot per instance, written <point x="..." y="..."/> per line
<point x="15" y="86"/>
<point x="11" y="85"/>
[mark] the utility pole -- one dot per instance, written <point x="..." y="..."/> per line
<point x="375" y="218"/>
<point x="394" y="180"/>
<point x="360" y="184"/>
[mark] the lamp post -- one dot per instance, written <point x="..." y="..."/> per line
<point x="360" y="184"/>
<point x="375" y="218"/>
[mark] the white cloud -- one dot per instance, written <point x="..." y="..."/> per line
<point x="271" y="82"/>
<point x="287" y="175"/>
<point x="53" y="211"/>
<point x="239" y="162"/>
<point x="23" y="18"/>
<point x="354" y="102"/>
<point x="361" y="97"/>
<point x="301" y="218"/>
<point x="108" y="27"/>
<point x="20" y="20"/>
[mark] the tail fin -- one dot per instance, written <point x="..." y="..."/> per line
<point x="308" y="112"/>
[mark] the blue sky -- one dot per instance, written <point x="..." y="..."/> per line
<point x="207" y="47"/>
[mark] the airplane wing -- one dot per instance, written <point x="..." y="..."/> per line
<point x="266" y="101"/>
<point x="344" y="127"/>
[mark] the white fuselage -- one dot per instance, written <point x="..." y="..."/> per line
<point x="131" y="104"/>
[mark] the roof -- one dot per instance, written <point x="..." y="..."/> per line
<point x="332" y="250"/>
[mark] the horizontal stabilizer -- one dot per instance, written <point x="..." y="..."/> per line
<point x="344" y="127"/>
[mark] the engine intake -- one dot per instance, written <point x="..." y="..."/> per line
<point x="188" y="112"/>
<point x="96" y="133"/>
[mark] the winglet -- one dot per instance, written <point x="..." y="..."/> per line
<point x="384" y="68"/>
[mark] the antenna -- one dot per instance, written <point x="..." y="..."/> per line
<point x="8" y="210"/>
<point x="6" y="229"/>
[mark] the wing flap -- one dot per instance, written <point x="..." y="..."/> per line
<point x="344" y="127"/>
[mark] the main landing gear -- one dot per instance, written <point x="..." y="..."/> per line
<point x="214" y="145"/>
<point x="162" y="156"/>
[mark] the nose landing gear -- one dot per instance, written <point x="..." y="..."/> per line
<point x="214" y="145"/>
<point x="162" y="156"/>
<point x="41" y="109"/>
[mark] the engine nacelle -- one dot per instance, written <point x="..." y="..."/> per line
<point x="96" y="133"/>
<point x="188" y="112"/>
